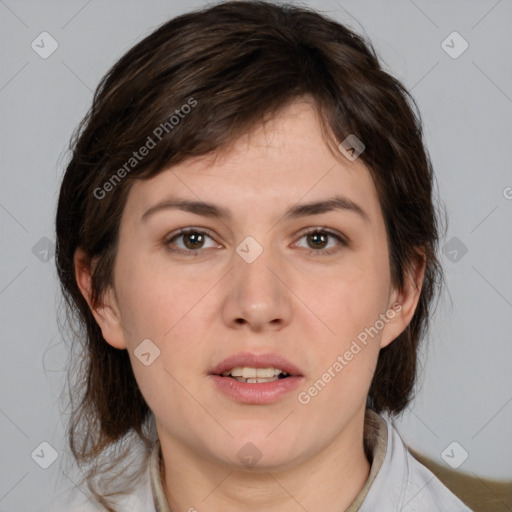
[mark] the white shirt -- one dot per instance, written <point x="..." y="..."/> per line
<point x="397" y="481"/>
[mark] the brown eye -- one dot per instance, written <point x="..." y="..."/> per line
<point x="318" y="239"/>
<point x="193" y="240"/>
<point x="323" y="242"/>
<point x="190" y="242"/>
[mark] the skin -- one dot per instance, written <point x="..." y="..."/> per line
<point x="293" y="301"/>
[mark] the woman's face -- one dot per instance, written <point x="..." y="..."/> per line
<point x="262" y="280"/>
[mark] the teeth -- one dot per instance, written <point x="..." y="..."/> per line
<point x="254" y="373"/>
<point x="256" y="380"/>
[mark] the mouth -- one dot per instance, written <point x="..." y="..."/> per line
<point x="256" y="378"/>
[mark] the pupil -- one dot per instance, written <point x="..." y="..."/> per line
<point x="193" y="240"/>
<point x="318" y="238"/>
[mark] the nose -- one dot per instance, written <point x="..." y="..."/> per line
<point x="257" y="297"/>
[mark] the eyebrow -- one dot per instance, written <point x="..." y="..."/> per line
<point x="211" y="210"/>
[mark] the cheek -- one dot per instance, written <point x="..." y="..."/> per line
<point x="347" y="356"/>
<point x="345" y="361"/>
<point x="166" y="307"/>
<point x="152" y="299"/>
<point x="353" y="302"/>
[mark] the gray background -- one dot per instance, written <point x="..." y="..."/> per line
<point x="466" y="103"/>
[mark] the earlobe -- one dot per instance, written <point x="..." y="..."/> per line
<point x="105" y="311"/>
<point x="403" y="302"/>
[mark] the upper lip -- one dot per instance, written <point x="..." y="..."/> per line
<point x="250" y="360"/>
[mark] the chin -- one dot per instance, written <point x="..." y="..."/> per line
<point x="256" y="455"/>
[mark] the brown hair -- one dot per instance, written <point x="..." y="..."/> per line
<point x="233" y="65"/>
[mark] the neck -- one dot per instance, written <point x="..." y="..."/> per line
<point x="334" y="475"/>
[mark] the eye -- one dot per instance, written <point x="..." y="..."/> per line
<point x="323" y="241"/>
<point x="191" y="241"/>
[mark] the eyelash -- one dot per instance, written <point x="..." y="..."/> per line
<point x="316" y="252"/>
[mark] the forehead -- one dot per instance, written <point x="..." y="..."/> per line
<point x="280" y="162"/>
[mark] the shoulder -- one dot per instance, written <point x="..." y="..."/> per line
<point x="140" y="499"/>
<point x="404" y="484"/>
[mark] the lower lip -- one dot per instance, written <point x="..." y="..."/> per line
<point x="254" y="393"/>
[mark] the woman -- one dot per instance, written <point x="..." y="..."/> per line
<point x="246" y="234"/>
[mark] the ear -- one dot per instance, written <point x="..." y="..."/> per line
<point x="403" y="302"/>
<point x="105" y="312"/>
